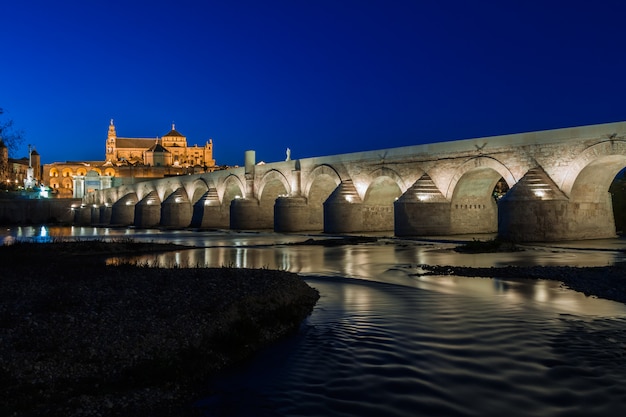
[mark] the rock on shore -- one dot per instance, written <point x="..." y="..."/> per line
<point x="78" y="338"/>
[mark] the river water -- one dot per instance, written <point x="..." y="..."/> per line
<point x="384" y="341"/>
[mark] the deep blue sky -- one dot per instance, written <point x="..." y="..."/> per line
<point x="320" y="77"/>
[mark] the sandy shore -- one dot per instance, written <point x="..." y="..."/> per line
<point x="78" y="338"/>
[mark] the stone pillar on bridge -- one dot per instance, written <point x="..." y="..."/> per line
<point x="422" y="210"/>
<point x="123" y="211"/>
<point x="208" y="212"/>
<point x="176" y="210"/>
<point x="244" y="212"/>
<point x="148" y="211"/>
<point x="534" y="209"/>
<point x="343" y="210"/>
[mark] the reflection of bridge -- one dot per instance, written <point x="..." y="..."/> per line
<point x="558" y="180"/>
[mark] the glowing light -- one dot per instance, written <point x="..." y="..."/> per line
<point x="178" y="200"/>
<point x="361" y="187"/>
<point x="349" y="198"/>
<point x="539" y="193"/>
<point x="423" y="197"/>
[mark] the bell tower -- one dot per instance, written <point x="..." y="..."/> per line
<point x="110" y="145"/>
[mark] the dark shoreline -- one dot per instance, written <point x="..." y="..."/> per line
<point x="607" y="282"/>
<point x="80" y="338"/>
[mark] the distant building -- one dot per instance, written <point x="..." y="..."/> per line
<point x="14" y="172"/>
<point x="129" y="160"/>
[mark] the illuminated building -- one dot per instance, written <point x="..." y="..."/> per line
<point x="130" y="160"/>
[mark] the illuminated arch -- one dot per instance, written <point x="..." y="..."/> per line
<point x="386" y="186"/>
<point x="490" y="167"/>
<point x="270" y="177"/>
<point x="196" y="189"/>
<point x="594" y="165"/>
<point x="317" y="175"/>
<point x="232" y="187"/>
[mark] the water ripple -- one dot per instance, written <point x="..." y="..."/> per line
<point x="372" y="350"/>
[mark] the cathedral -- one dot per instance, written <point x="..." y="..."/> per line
<point x="170" y="150"/>
<point x="130" y="160"/>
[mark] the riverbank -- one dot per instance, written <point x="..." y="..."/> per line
<point x="78" y="338"/>
<point x="608" y="282"/>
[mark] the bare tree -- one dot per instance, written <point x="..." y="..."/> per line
<point x="10" y="139"/>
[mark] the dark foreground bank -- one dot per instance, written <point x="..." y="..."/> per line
<point x="78" y="338"/>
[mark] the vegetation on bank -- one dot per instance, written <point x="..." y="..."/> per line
<point x="487" y="246"/>
<point x="83" y="338"/>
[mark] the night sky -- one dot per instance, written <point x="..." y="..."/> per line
<point x="320" y="77"/>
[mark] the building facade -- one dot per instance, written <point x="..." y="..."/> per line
<point x="170" y="150"/>
<point x="129" y="160"/>
<point x="14" y="173"/>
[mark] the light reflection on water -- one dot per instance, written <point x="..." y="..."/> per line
<point x="383" y="341"/>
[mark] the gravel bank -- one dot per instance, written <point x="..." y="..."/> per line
<point x="78" y="338"/>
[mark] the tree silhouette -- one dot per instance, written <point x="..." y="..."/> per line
<point x="10" y="139"/>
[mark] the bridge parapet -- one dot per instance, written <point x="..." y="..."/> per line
<point x="384" y="185"/>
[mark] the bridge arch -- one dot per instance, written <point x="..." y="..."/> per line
<point x="319" y="185"/>
<point x="480" y="163"/>
<point x="587" y="183"/>
<point x="143" y="189"/>
<point x="271" y="183"/>
<point x="473" y="208"/>
<point x="232" y="187"/>
<point x="196" y="189"/>
<point x="593" y="156"/>
<point x="385" y="187"/>
<point x="320" y="179"/>
<point x="168" y="186"/>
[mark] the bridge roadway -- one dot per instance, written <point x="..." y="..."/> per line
<point x="558" y="183"/>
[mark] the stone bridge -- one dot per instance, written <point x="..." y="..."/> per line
<point x="557" y="182"/>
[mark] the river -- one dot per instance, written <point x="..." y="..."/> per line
<point x="384" y="341"/>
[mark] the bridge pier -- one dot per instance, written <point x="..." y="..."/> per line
<point x="176" y="210"/>
<point x="343" y="210"/>
<point x="123" y="211"/>
<point x="591" y="220"/>
<point x="291" y="214"/>
<point x="82" y="215"/>
<point x="244" y="215"/>
<point x="534" y="209"/>
<point x="148" y="211"/>
<point x="105" y="214"/>
<point x="208" y="212"/>
<point x="422" y="210"/>
<point x="95" y="215"/>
